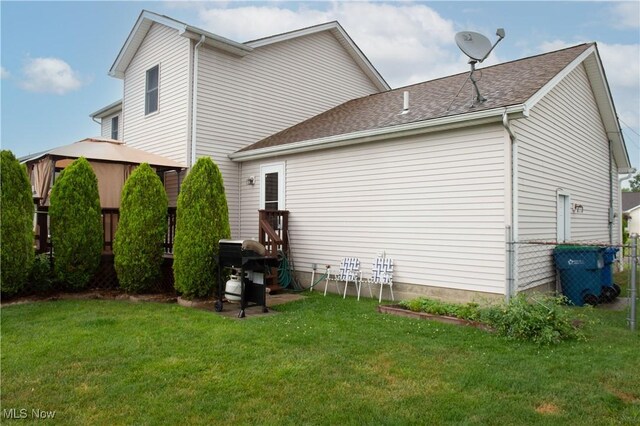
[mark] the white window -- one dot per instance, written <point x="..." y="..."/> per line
<point x="563" y="223"/>
<point x="151" y="90"/>
<point x="114" y="127"/>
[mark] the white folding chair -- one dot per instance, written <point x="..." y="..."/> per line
<point x="349" y="272"/>
<point x="382" y="274"/>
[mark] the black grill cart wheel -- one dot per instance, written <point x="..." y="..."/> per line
<point x="218" y="306"/>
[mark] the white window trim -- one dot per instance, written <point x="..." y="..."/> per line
<point x="560" y="193"/>
<point x="273" y="168"/>
<point x="116" y="117"/>
<point x="151" y="114"/>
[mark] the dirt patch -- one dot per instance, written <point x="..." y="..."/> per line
<point x="625" y="397"/>
<point x="547" y="408"/>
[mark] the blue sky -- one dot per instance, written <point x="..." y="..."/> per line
<point x="55" y="55"/>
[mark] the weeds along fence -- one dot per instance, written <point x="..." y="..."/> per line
<point x="586" y="273"/>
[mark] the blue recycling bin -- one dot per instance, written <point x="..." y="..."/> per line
<point x="580" y="270"/>
<point x="610" y="290"/>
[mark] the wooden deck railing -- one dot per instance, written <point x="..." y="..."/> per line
<point x="273" y="230"/>
<point x="110" y="219"/>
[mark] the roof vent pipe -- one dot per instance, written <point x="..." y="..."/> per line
<point x="405" y="103"/>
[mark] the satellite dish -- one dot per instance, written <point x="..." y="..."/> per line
<point x="477" y="47"/>
<point x="474" y="45"/>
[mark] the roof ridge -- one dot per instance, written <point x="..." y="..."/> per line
<point x="335" y="21"/>
<point x="493" y="66"/>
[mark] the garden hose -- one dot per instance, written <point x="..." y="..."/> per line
<point x="286" y="277"/>
<point x="285" y="274"/>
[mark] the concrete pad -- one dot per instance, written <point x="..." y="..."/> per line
<point x="232" y="309"/>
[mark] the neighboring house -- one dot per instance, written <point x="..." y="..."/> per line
<point x="441" y="185"/>
<point x="631" y="209"/>
<point x="189" y="93"/>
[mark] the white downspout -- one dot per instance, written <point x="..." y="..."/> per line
<point x="194" y="102"/>
<point x="514" y="204"/>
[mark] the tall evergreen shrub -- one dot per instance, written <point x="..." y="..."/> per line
<point x="143" y="224"/>
<point x="16" y="224"/>
<point x="202" y="220"/>
<point x="76" y="225"/>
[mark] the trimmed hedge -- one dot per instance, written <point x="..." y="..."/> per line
<point x="202" y="220"/>
<point x="76" y="225"/>
<point x="16" y="224"/>
<point x="141" y="230"/>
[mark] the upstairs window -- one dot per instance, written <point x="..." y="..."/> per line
<point x="114" y="127"/>
<point x="151" y="92"/>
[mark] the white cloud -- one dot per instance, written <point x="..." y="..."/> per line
<point x="550" y="46"/>
<point x="4" y="73"/>
<point x="407" y="43"/>
<point x="622" y="62"/>
<point x="626" y="15"/>
<point x="50" y="75"/>
<point x="622" y="67"/>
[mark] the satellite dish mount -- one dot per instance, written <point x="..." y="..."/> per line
<point x="477" y="47"/>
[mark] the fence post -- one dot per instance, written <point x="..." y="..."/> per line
<point x="634" y="267"/>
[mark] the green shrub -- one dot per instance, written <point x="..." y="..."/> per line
<point x="41" y="276"/>
<point x="141" y="230"/>
<point x="76" y="225"/>
<point x="16" y="224"/>
<point x="202" y="220"/>
<point x="542" y="319"/>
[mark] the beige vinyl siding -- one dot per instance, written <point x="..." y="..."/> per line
<point x="105" y="125"/>
<point x="165" y="132"/>
<point x="243" y="100"/>
<point x="562" y="144"/>
<point x="171" y="185"/>
<point x="435" y="204"/>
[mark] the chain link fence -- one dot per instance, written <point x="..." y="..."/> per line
<point x="585" y="273"/>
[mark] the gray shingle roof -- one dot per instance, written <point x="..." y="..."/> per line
<point x="630" y="200"/>
<point x="510" y="83"/>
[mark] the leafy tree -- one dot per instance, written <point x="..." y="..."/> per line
<point x="16" y="224"/>
<point x="634" y="183"/>
<point x="76" y="224"/>
<point x="202" y="220"/>
<point x="141" y="230"/>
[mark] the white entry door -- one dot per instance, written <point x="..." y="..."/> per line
<point x="272" y="187"/>
<point x="564" y="218"/>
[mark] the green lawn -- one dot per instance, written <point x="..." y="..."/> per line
<point x="318" y="361"/>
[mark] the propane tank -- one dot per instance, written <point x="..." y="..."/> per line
<point x="233" y="285"/>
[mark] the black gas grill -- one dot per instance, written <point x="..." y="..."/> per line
<point x="246" y="256"/>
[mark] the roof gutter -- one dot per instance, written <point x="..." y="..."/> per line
<point x="409" y="129"/>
